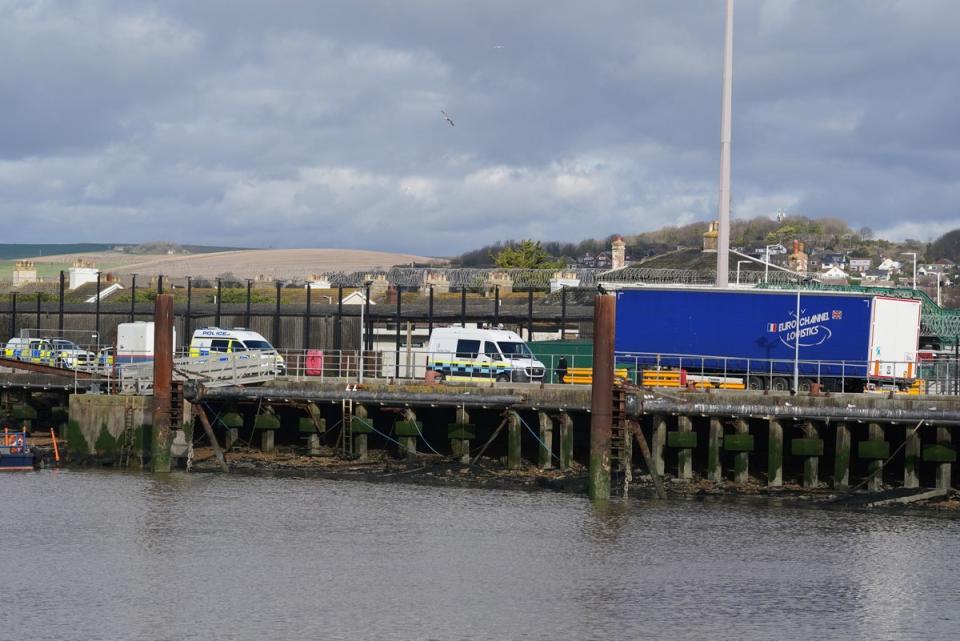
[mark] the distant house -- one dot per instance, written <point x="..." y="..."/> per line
<point x="834" y="273"/>
<point x="356" y="298"/>
<point x="860" y="265"/>
<point x="829" y="259"/>
<point x="874" y="275"/>
<point x="946" y="263"/>
<point x="889" y="265"/>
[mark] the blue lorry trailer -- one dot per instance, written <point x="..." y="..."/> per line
<point x="845" y="340"/>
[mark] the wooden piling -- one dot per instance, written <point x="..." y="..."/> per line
<point x="566" y="441"/>
<point x="911" y="458"/>
<point x="684" y="455"/>
<point x="944" y="470"/>
<point x="461" y="446"/>
<point x="513" y="441"/>
<point x="875" y="468"/>
<point x="841" y="460"/>
<point x="659" y="443"/>
<point x="601" y="404"/>
<point x="811" y="464"/>
<point x="775" y="454"/>
<point x="714" y="467"/>
<point x="162" y="382"/>
<point x="360" y="438"/>
<point x="546" y="441"/>
<point x="741" y="461"/>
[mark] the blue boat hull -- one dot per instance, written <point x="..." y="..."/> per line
<point x="16" y="462"/>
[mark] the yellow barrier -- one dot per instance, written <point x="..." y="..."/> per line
<point x="584" y="375"/>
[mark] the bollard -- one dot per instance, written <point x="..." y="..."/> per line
<point x="566" y="441"/>
<point x="513" y="441"/>
<point x="546" y="441"/>
<point x="841" y="462"/>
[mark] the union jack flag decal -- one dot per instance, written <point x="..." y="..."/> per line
<point x="837" y="314"/>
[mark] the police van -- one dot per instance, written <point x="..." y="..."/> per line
<point x="34" y="350"/>
<point x="209" y="341"/>
<point x="464" y="353"/>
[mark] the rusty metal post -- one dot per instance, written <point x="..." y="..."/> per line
<point x="338" y="330"/>
<point x="601" y="412"/>
<point x="276" y="317"/>
<point x="60" y="322"/>
<point x="246" y="320"/>
<point x="162" y="382"/>
<point x="133" y="297"/>
<point x="219" y="298"/>
<point x="563" y="315"/>
<point x="530" y="315"/>
<point x="189" y="319"/>
<point x="430" y="313"/>
<point x="97" y="323"/>
<point x="159" y="283"/>
<point x="13" y="314"/>
<point x="396" y="362"/>
<point x="306" y="322"/>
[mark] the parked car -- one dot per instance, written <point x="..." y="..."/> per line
<point x="68" y="354"/>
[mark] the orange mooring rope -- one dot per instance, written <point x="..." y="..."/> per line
<point x="56" y="449"/>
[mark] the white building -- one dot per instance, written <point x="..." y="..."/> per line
<point x="81" y="273"/>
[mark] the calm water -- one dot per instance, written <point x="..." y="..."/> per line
<point x="98" y="555"/>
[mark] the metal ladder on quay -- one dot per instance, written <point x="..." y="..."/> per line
<point x="619" y="435"/>
<point x="127" y="438"/>
<point x="346" y="429"/>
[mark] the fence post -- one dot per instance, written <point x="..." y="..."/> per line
<point x="60" y="321"/>
<point x="276" y="318"/>
<point x="306" y="322"/>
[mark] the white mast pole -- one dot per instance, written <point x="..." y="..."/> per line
<point x="726" y="128"/>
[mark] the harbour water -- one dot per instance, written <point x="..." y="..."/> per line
<point x="106" y="555"/>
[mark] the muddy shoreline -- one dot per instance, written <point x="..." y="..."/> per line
<point x="492" y="474"/>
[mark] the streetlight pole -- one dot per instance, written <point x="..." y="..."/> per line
<point x="796" y="347"/>
<point x="914" y="254"/>
<point x="740" y="262"/>
<point x="938" y="289"/>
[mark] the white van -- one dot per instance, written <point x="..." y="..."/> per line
<point x="463" y="353"/>
<point x="213" y="340"/>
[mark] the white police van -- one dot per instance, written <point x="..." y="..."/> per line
<point x="209" y="341"/>
<point x="464" y="353"/>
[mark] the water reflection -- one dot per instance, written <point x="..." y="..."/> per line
<point x="120" y="556"/>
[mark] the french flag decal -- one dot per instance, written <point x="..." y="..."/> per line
<point x="771" y="327"/>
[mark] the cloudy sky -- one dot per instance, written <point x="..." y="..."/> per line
<point x="301" y="123"/>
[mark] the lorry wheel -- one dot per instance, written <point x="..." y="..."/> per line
<point x="805" y="385"/>
<point x="779" y="384"/>
<point x="756" y="383"/>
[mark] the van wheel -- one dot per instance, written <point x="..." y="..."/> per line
<point x="503" y="378"/>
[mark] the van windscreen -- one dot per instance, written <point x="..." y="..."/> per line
<point x="515" y="350"/>
<point x="253" y="344"/>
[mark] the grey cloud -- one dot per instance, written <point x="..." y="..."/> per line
<point x="290" y="124"/>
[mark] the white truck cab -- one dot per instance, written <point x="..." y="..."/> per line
<point x="463" y="353"/>
<point x="214" y="340"/>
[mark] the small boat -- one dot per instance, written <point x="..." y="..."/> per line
<point x="15" y="453"/>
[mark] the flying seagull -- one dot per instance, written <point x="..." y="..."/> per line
<point x="447" y="117"/>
